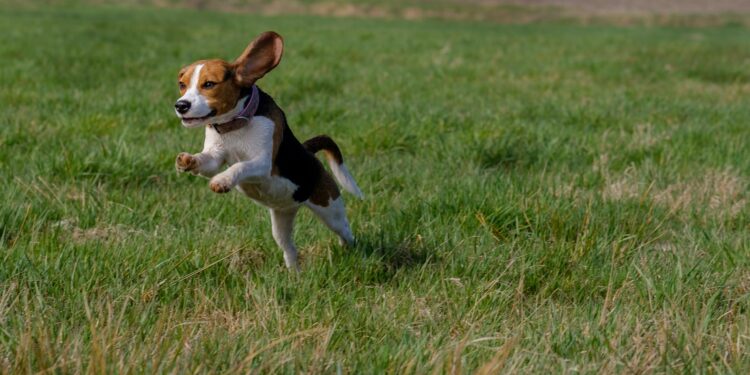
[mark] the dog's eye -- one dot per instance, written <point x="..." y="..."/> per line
<point x="182" y="86"/>
<point x="209" y="84"/>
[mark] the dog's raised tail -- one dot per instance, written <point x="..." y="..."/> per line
<point x="335" y="161"/>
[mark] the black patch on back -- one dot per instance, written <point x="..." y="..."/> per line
<point x="292" y="159"/>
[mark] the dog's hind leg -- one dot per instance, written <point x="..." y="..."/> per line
<point x="282" y="223"/>
<point x="334" y="217"/>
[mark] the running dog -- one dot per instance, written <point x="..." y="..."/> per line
<point x="248" y="132"/>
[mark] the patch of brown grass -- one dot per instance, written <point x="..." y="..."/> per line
<point x="106" y="342"/>
<point x="716" y="193"/>
<point x="108" y="233"/>
<point x="721" y="192"/>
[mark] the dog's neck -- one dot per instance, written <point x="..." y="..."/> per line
<point x="242" y="118"/>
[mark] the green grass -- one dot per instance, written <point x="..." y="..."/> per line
<point x="539" y="198"/>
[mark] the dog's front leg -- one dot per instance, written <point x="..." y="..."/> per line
<point x="206" y="164"/>
<point x="240" y="172"/>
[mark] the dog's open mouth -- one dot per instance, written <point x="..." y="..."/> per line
<point x="198" y="119"/>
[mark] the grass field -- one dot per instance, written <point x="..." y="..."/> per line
<point x="547" y="197"/>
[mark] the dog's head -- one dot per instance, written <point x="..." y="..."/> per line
<point x="213" y="91"/>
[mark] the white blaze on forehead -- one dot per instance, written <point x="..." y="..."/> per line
<point x="195" y="77"/>
<point x="192" y="92"/>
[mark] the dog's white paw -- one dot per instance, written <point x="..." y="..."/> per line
<point x="221" y="184"/>
<point x="185" y="162"/>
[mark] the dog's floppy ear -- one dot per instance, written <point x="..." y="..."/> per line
<point x="260" y="56"/>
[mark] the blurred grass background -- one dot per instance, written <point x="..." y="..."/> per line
<point x="609" y="12"/>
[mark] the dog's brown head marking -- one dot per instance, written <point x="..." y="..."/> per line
<point x="212" y="89"/>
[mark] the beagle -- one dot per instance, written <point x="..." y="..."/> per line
<point x="248" y="132"/>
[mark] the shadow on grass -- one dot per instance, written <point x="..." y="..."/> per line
<point x="718" y="75"/>
<point x="509" y="153"/>
<point x="386" y="255"/>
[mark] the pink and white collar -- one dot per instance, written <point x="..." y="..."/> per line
<point x="243" y="118"/>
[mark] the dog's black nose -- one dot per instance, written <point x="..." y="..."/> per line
<point x="182" y="106"/>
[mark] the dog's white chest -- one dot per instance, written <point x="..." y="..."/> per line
<point x="254" y="143"/>
<point x="251" y="142"/>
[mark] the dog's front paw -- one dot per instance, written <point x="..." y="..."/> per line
<point x="221" y="184"/>
<point x="185" y="162"/>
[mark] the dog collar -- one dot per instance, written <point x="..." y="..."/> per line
<point x="243" y="118"/>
